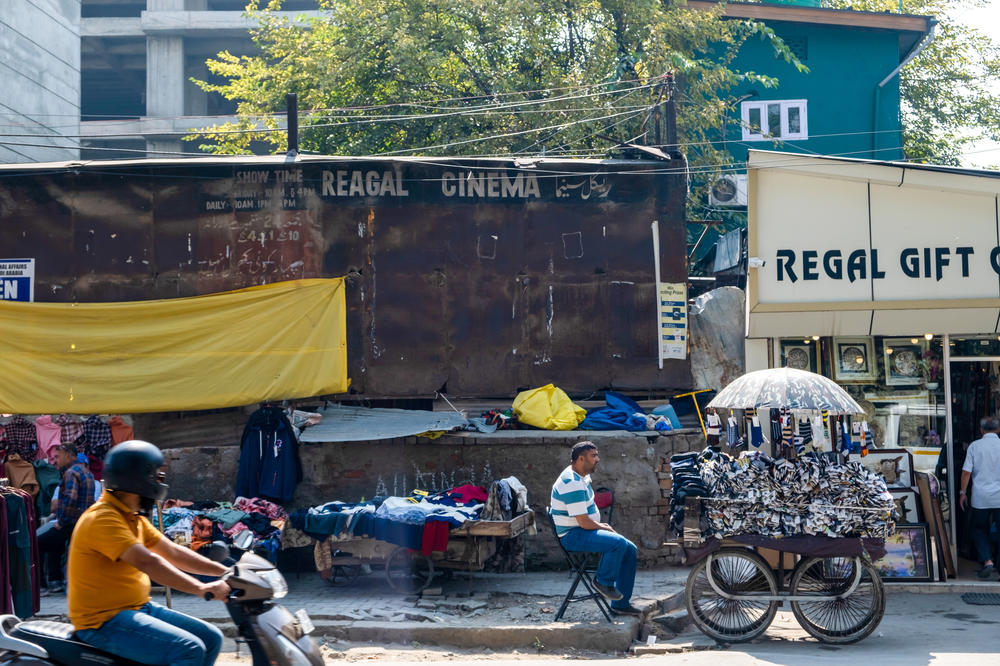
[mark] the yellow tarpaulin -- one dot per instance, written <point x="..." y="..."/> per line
<point x="277" y="341"/>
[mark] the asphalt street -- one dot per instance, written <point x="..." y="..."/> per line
<point x="937" y="629"/>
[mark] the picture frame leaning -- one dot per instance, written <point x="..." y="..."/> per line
<point x="854" y="360"/>
<point x="908" y="555"/>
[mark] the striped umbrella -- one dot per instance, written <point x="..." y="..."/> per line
<point x="786" y="388"/>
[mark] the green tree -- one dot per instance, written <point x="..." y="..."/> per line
<point x="482" y="77"/>
<point x="950" y="98"/>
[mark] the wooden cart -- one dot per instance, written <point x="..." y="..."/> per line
<point x="733" y="592"/>
<point x="408" y="571"/>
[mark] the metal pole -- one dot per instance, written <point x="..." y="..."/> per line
<point x="950" y="450"/>
<point x="292" y="101"/>
<point x="655" y="226"/>
<point x="670" y="109"/>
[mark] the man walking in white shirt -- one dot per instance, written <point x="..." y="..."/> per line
<point x="982" y="467"/>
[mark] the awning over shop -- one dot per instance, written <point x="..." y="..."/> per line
<point x="856" y="247"/>
<point x="272" y="342"/>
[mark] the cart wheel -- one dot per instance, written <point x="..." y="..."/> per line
<point x="407" y="571"/>
<point x="736" y="571"/>
<point x="846" y="620"/>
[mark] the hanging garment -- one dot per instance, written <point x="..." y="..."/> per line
<point x="756" y="432"/>
<point x="97" y="437"/>
<point x="845" y="436"/>
<point x="733" y="437"/>
<point x="21" y="438"/>
<point x="120" y="431"/>
<point x="19" y="531"/>
<point x="867" y="441"/>
<point x="48" y="478"/>
<point x="6" y="596"/>
<point x="788" y="449"/>
<point x="819" y="438"/>
<point x="713" y="428"/>
<point x="857" y="437"/>
<point x="70" y="428"/>
<point x="269" y="457"/>
<point x="21" y="474"/>
<point x="48" y="436"/>
<point x="775" y="430"/>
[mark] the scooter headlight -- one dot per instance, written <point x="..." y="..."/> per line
<point x="276" y="581"/>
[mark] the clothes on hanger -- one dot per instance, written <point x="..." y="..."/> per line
<point x="269" y="457"/>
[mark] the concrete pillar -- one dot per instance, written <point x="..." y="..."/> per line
<point x="164" y="76"/>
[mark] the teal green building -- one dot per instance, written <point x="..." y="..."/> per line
<point x="848" y="103"/>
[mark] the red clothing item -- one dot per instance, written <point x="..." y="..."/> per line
<point x="435" y="537"/>
<point x="120" y="431"/>
<point x="468" y="494"/>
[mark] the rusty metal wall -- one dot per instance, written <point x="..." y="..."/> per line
<point x="481" y="276"/>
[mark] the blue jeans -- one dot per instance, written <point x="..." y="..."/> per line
<point x="157" y="635"/>
<point x="617" y="567"/>
<point x="980" y="524"/>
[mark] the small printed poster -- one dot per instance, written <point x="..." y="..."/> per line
<point x="17" y="280"/>
<point x="673" y="320"/>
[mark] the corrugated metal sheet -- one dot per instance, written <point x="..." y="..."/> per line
<point x="482" y="276"/>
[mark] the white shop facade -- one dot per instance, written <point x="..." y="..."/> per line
<point x="884" y="277"/>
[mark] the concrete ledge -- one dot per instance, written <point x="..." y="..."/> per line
<point x="600" y="636"/>
<point x="943" y="587"/>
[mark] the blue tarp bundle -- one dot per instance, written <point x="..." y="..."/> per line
<point x="620" y="413"/>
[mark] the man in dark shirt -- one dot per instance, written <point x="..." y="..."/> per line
<point x="76" y="493"/>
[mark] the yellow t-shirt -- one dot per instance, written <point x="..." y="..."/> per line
<point x="101" y="585"/>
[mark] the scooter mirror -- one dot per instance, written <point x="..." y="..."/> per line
<point x="217" y="552"/>
<point x="243" y="539"/>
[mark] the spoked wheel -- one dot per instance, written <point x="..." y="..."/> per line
<point x="740" y="573"/>
<point x="846" y="620"/>
<point x="407" y="571"/>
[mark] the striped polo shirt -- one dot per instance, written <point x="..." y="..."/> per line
<point x="572" y="496"/>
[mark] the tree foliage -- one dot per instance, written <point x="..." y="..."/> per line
<point x="481" y="77"/>
<point x="950" y="98"/>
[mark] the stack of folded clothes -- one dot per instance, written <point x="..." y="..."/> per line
<point x="685" y="472"/>
<point x="756" y="494"/>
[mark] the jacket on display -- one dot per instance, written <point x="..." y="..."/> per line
<point x="269" y="457"/>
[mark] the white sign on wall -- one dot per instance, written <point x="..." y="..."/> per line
<point x="17" y="279"/>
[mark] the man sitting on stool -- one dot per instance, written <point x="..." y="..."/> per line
<point x="578" y="525"/>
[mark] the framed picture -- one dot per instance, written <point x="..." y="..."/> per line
<point x="853" y="360"/>
<point x="895" y="465"/>
<point x="908" y="555"/>
<point x="902" y="358"/>
<point x="795" y="353"/>
<point x="907" y="506"/>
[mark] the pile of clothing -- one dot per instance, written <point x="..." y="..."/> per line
<point x="757" y="494"/>
<point x="421" y="520"/>
<point x="198" y="524"/>
<point x="685" y="472"/>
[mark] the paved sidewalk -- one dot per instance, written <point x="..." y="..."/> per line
<point x="491" y="610"/>
<point x="371" y="593"/>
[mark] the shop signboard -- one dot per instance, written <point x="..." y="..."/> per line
<point x="17" y="279"/>
<point x="860" y="248"/>
<point x="481" y="276"/>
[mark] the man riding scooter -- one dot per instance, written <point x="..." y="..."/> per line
<point x="115" y="551"/>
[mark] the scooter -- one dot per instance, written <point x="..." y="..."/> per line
<point x="273" y="635"/>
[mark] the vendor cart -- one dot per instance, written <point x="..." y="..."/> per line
<point x="409" y="571"/>
<point x="733" y="592"/>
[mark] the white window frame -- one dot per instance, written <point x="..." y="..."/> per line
<point x="765" y="133"/>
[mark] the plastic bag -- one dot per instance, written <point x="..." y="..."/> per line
<point x="548" y="407"/>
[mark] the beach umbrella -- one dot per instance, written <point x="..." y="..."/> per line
<point x="786" y="388"/>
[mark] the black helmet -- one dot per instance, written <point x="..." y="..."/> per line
<point x="134" y="467"/>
